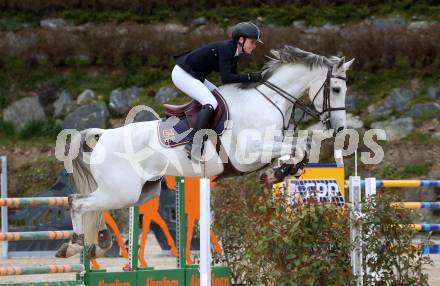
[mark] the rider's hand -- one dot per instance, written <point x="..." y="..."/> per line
<point x="255" y="76"/>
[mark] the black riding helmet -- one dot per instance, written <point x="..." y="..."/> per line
<point x="246" y="30"/>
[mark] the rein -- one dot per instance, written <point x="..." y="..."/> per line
<point x="307" y="108"/>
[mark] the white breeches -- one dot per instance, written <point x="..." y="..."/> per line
<point x="194" y="87"/>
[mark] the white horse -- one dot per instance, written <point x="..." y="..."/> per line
<point x="126" y="164"/>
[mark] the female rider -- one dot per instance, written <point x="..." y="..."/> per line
<point x="189" y="73"/>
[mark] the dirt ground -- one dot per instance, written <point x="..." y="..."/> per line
<point x="153" y="254"/>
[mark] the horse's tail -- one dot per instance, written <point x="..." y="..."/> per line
<point x="81" y="177"/>
<point x="84" y="183"/>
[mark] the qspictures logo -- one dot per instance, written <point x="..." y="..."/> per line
<point x="163" y="282"/>
<point x="117" y="282"/>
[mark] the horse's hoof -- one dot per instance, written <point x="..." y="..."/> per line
<point x="91" y="252"/>
<point x="68" y="249"/>
<point x="104" y="239"/>
<point x="61" y="252"/>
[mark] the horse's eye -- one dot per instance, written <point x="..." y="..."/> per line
<point x="336" y="89"/>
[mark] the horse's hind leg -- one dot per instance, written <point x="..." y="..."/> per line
<point x="86" y="214"/>
<point x="99" y="242"/>
<point x="76" y="243"/>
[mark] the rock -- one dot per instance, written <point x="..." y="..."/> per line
<point x="379" y="110"/>
<point x="170" y="28"/>
<point x="421" y="109"/>
<point x="312" y="30"/>
<point x="63" y="105"/>
<point x="85" y="97"/>
<point x="388" y="23"/>
<point x="331" y="28"/>
<point x="260" y="21"/>
<point x="431" y="125"/>
<point x="434" y="173"/>
<point x="53" y="23"/>
<point x="433" y="92"/>
<point x="165" y="94"/>
<point x="199" y="21"/>
<point x="350" y="103"/>
<point x="23" y="111"/>
<point x="395" y="129"/>
<point x="436" y="136"/>
<point x="354" y="122"/>
<point x="416" y="25"/>
<point x="301" y="25"/>
<point x="93" y="115"/>
<point x="145" y="115"/>
<point x="122" y="99"/>
<point x="17" y="44"/>
<point x="397" y="100"/>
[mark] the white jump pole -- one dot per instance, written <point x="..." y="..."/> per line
<point x="356" y="228"/>
<point x="4" y="194"/>
<point x="205" y="225"/>
<point x="370" y="187"/>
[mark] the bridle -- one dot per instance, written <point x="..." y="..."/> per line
<point x="307" y="108"/>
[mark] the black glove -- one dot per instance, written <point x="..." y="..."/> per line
<point x="255" y="76"/>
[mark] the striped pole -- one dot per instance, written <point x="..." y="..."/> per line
<point x="430" y="249"/>
<point x="44" y="269"/>
<point x="35" y="201"/>
<point x="416" y="205"/>
<point x="405" y="183"/>
<point x="425" y="227"/>
<point x="35" y="235"/>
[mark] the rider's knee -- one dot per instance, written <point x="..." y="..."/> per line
<point x="214" y="104"/>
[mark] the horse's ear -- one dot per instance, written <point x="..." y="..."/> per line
<point x="348" y="64"/>
<point x="341" y="62"/>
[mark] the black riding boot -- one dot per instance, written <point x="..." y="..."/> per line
<point x="203" y="121"/>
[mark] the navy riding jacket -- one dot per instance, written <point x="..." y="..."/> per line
<point x="216" y="56"/>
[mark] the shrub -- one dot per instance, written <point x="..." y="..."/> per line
<point x="132" y="44"/>
<point x="389" y="253"/>
<point x="267" y="242"/>
<point x="41" y="128"/>
<point x="6" y="128"/>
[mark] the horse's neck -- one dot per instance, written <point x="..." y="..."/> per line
<point x="295" y="79"/>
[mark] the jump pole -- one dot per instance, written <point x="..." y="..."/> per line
<point x="4" y="211"/>
<point x="356" y="228"/>
<point x="205" y="223"/>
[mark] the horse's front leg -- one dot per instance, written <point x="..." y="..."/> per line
<point x="293" y="166"/>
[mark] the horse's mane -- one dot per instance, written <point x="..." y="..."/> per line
<point x="290" y="54"/>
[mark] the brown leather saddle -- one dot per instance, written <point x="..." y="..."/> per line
<point x="172" y="132"/>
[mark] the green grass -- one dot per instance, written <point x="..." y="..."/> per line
<point x="419" y="137"/>
<point x="376" y="85"/>
<point x="24" y="74"/>
<point x="416" y="169"/>
<point x="41" y="128"/>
